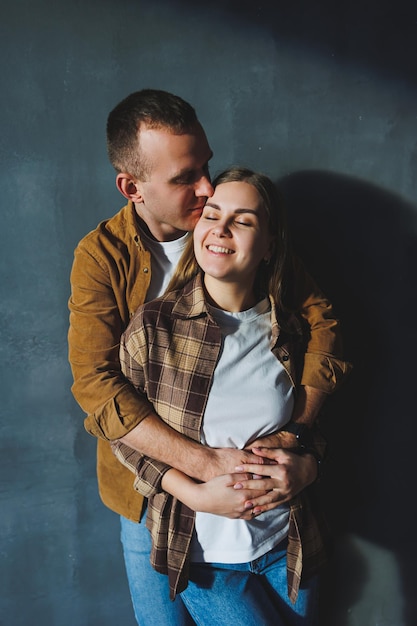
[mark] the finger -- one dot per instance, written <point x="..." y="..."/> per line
<point x="259" y="470"/>
<point x="240" y="476"/>
<point x="273" y="498"/>
<point x="249" y="495"/>
<point x="267" y="507"/>
<point x="250" y="457"/>
<point x="259" y="485"/>
<point x="267" y="453"/>
<point x="247" y="516"/>
<point x="268" y="502"/>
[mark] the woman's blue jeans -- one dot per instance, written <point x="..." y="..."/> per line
<point x="249" y="594"/>
<point x="149" y="590"/>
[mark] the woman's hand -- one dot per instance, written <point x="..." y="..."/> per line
<point x="220" y="497"/>
<point x="217" y="496"/>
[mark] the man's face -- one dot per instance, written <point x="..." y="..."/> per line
<point x="174" y="193"/>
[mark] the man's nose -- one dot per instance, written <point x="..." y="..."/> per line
<point x="204" y="187"/>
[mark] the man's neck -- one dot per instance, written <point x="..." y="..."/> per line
<point x="160" y="234"/>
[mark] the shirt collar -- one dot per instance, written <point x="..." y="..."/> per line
<point x="132" y="225"/>
<point x="191" y="302"/>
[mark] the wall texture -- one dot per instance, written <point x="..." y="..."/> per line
<point x="322" y="97"/>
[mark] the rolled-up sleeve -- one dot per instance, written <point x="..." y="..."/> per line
<point x="148" y="472"/>
<point x="324" y="366"/>
<point x="323" y="372"/>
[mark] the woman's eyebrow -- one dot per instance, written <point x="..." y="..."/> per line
<point x="213" y="205"/>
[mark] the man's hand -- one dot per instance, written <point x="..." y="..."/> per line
<point x="155" y="439"/>
<point x="279" y="439"/>
<point x="286" y="477"/>
<point x="221" y="461"/>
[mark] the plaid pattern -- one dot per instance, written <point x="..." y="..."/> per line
<point x="169" y="352"/>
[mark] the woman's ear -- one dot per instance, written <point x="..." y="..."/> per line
<point x="129" y="187"/>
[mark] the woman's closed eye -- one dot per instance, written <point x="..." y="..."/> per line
<point x="209" y="216"/>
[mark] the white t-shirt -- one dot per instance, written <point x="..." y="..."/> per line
<point x="165" y="256"/>
<point x="251" y="396"/>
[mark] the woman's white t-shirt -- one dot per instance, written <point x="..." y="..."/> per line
<point x="251" y="396"/>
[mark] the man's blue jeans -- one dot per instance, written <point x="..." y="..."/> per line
<point x="249" y="594"/>
<point x="149" y="589"/>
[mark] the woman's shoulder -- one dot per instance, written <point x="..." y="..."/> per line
<point x="173" y="304"/>
<point x="158" y="306"/>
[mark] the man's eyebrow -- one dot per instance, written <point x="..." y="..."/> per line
<point x="182" y="173"/>
<point x="190" y="170"/>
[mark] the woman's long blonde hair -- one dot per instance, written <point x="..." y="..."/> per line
<point x="270" y="278"/>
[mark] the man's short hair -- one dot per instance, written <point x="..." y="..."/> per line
<point x="155" y="109"/>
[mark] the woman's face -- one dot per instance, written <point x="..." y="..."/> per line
<point x="231" y="238"/>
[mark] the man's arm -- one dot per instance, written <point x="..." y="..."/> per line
<point x="217" y="495"/>
<point x="155" y="439"/>
<point x="295" y="472"/>
<point x="306" y="410"/>
<point x="99" y="314"/>
<point x="324" y="367"/>
<point x="324" y="371"/>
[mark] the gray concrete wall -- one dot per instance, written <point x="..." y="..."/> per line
<point x="321" y="95"/>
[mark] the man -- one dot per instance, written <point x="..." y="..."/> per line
<point x="161" y="156"/>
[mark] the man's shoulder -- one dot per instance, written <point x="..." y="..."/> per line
<point x="115" y="231"/>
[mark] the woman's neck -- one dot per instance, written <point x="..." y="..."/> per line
<point x="228" y="296"/>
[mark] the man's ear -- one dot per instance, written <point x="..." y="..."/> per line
<point x="129" y="187"/>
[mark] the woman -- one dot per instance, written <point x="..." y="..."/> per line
<point x="217" y="356"/>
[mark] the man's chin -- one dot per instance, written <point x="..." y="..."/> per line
<point x="191" y="222"/>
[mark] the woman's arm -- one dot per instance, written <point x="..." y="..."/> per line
<point x="217" y="496"/>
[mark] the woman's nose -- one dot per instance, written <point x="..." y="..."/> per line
<point x="221" y="229"/>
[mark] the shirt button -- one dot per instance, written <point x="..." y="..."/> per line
<point x="145" y="270"/>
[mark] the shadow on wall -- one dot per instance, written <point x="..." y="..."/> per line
<point x="359" y="243"/>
